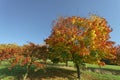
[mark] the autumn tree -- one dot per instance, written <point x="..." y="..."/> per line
<point x="26" y="55"/>
<point x="7" y="51"/>
<point x="83" y="39"/>
<point x="31" y="55"/>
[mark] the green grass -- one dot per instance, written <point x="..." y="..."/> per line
<point x="60" y="72"/>
<point x="87" y="75"/>
<point x="113" y="67"/>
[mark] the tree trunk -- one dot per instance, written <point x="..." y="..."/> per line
<point x="66" y="63"/>
<point x="78" y="70"/>
<point x="77" y="66"/>
<point x="100" y="69"/>
<point x="25" y="76"/>
<point x="27" y="72"/>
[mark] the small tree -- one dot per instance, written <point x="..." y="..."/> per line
<point x="26" y="55"/>
<point x="31" y="54"/>
<point x="84" y="39"/>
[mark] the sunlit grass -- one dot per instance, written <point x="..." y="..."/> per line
<point x="113" y="67"/>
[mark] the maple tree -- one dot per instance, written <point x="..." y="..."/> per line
<point x="26" y="55"/>
<point x="83" y="39"/>
<point x="31" y="55"/>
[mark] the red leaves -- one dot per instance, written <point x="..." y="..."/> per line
<point x="23" y="55"/>
<point x="26" y="60"/>
<point x="7" y="51"/>
<point x="32" y="52"/>
<point x="74" y="49"/>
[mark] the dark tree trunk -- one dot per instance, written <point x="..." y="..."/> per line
<point x="78" y="70"/>
<point x="77" y="66"/>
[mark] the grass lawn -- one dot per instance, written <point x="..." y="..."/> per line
<point x="60" y="72"/>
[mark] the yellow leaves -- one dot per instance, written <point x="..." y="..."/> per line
<point x="73" y="38"/>
<point x="93" y="35"/>
<point x="73" y="20"/>
<point x="93" y="31"/>
<point x="57" y="32"/>
<point x="93" y="47"/>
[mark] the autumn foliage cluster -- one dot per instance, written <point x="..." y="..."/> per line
<point x="22" y="55"/>
<point x="26" y="55"/>
<point x="87" y="38"/>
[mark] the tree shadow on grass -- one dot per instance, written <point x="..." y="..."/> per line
<point x="105" y="71"/>
<point x="16" y="72"/>
<point x="56" y="73"/>
<point x="48" y="73"/>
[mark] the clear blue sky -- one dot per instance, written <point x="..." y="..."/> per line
<point x="31" y="20"/>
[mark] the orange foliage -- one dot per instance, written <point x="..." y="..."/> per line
<point x="26" y="54"/>
<point x="80" y="36"/>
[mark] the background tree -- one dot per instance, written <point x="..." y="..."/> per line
<point x="7" y="51"/>
<point x="84" y="39"/>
